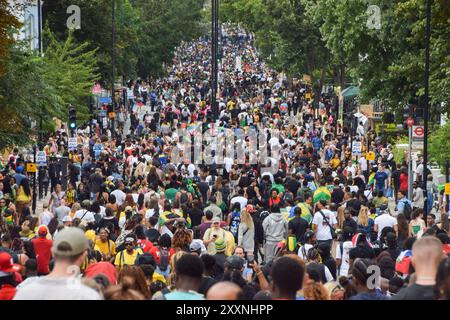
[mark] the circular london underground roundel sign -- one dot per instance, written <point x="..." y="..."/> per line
<point x="419" y="131"/>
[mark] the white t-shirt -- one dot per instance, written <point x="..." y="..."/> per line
<point x="149" y="213"/>
<point x="46" y="216"/>
<point x="120" y="196"/>
<point x="363" y="163"/>
<point x="323" y="230"/>
<point x="228" y="163"/>
<point x="241" y="200"/>
<point x="301" y="252"/>
<point x="345" y="257"/>
<point x="84" y="215"/>
<point x="384" y="220"/>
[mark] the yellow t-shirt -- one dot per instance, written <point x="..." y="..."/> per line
<point x="124" y="258"/>
<point x="104" y="248"/>
<point x="22" y="196"/>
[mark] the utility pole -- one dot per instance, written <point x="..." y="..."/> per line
<point x="33" y="206"/>
<point x="426" y="105"/>
<point x="39" y="26"/>
<point x="447" y="180"/>
<point x="214" y="52"/>
<point x="113" y="62"/>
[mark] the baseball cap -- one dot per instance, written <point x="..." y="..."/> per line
<point x="67" y="219"/>
<point x="42" y="230"/>
<point x="70" y="242"/>
<point x="234" y="262"/>
<point x="7" y="265"/>
<point x="220" y="245"/>
<point x="215" y="220"/>
<point x="195" y="246"/>
<point x="383" y="207"/>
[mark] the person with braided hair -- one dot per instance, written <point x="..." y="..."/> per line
<point x="362" y="281"/>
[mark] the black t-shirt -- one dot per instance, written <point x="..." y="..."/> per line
<point x="337" y="196"/>
<point x="298" y="225"/>
<point x="416" y="292"/>
<point x="293" y="185"/>
<point x="203" y="187"/>
<point x="361" y="252"/>
<point x="196" y="215"/>
<point x="205" y="284"/>
<point x="350" y="223"/>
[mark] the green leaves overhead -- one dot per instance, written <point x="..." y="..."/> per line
<point x="331" y="40"/>
<point x="36" y="88"/>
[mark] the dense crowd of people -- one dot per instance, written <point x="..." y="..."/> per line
<point x="310" y="222"/>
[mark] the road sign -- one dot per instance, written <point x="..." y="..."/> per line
<point x="357" y="147"/>
<point x="73" y="144"/>
<point x="41" y="158"/>
<point x="410" y="122"/>
<point x="31" y="167"/>
<point x="447" y="189"/>
<point x="104" y="100"/>
<point x="418" y="133"/>
<point x="370" y="156"/>
<point x="417" y="145"/>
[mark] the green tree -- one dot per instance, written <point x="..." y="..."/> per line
<point x="36" y="89"/>
<point x="439" y="144"/>
<point x="7" y="22"/>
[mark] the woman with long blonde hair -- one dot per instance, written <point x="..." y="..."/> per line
<point x="364" y="221"/>
<point x="246" y="232"/>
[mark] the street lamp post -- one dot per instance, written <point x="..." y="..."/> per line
<point x="426" y="104"/>
<point x="113" y="62"/>
<point x="214" y="51"/>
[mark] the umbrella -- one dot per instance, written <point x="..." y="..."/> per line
<point x="350" y="92"/>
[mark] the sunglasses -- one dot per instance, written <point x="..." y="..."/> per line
<point x="128" y="244"/>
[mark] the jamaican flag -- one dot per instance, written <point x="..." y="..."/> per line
<point x="322" y="193"/>
<point x="371" y="179"/>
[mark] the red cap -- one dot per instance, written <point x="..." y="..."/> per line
<point x="42" y="231"/>
<point x="7" y="264"/>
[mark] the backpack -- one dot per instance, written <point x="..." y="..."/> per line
<point x="264" y="214"/>
<point x="184" y="197"/>
<point x="163" y="259"/>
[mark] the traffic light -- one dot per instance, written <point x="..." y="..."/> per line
<point x="72" y="118"/>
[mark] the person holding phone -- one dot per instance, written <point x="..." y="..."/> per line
<point x="215" y="232"/>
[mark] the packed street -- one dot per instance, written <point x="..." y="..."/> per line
<point x="269" y="194"/>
